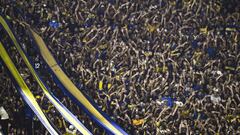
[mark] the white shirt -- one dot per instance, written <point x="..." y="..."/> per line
<point x="179" y="103"/>
<point x="215" y="99"/>
<point x="3" y="114"/>
<point x="73" y="132"/>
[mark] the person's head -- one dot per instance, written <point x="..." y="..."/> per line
<point x="71" y="127"/>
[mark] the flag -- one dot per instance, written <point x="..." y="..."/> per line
<point x="137" y="122"/>
<point x="204" y="30"/>
<point x="100" y="85"/>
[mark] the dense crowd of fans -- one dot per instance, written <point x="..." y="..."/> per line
<point x="154" y="66"/>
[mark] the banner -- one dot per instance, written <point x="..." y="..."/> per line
<point x="24" y="90"/>
<point x="74" y="93"/>
<point x="59" y="106"/>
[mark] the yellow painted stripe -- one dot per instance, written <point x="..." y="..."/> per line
<point x="68" y="84"/>
<point x="69" y="118"/>
<point x="27" y="93"/>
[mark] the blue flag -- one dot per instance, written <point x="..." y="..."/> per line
<point x="54" y="24"/>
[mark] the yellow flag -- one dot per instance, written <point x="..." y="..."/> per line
<point x="151" y="28"/>
<point x="147" y="53"/>
<point x="8" y="17"/>
<point x="118" y="77"/>
<point x="230" y="29"/>
<point x="100" y="86"/>
<point x="103" y="46"/>
<point x="109" y="85"/>
<point x="204" y="30"/>
<point x="84" y="40"/>
<point x="185" y="113"/>
<point x="164" y="69"/>
<point x="229" y="68"/>
<point x="131" y="106"/>
<point x="138" y="122"/>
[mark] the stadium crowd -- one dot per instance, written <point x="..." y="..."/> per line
<point x="154" y="66"/>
